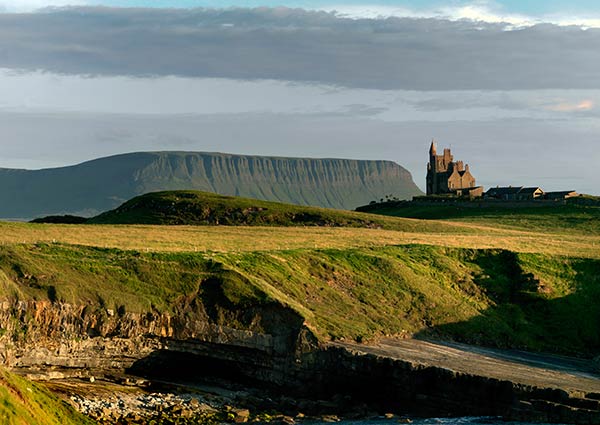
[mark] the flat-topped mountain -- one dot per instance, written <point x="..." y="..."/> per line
<point x="102" y="184"/>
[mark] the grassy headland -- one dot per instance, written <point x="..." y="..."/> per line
<point x="202" y="208"/>
<point x="485" y="281"/>
<point x="491" y="297"/>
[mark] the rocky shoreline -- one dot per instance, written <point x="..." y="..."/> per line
<point x="352" y="381"/>
<point x="272" y="350"/>
<point x="135" y="401"/>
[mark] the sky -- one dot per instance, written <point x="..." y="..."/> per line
<point x="511" y="86"/>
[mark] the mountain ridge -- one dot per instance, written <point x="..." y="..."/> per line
<point x="104" y="183"/>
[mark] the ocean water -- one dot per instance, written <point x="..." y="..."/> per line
<point x="435" y="421"/>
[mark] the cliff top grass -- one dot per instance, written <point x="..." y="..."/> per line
<point x="25" y="402"/>
<point x="490" y="297"/>
<point x="155" y="238"/>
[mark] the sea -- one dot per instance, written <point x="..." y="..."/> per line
<point x="434" y="421"/>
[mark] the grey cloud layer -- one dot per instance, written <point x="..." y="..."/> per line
<point x="295" y="45"/>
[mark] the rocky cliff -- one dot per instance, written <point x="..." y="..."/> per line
<point x="95" y="186"/>
<point x="270" y="347"/>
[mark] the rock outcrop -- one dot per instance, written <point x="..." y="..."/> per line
<point x="265" y="346"/>
<point x="82" y="340"/>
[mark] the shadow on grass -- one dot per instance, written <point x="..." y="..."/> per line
<point x="531" y="311"/>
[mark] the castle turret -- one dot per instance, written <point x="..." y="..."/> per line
<point x="432" y="148"/>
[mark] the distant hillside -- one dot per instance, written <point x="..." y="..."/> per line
<point x="102" y="184"/>
<point x="203" y="208"/>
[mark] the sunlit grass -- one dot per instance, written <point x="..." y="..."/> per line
<point x="232" y="238"/>
<point x="25" y="402"/>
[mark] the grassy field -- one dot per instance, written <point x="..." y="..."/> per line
<point x="240" y="238"/>
<point x="185" y="221"/>
<point x="570" y="218"/>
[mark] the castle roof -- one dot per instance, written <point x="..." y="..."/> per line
<point x="463" y="172"/>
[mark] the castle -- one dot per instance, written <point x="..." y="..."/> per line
<point x="448" y="177"/>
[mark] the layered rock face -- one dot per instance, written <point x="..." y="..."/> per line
<point x="265" y="346"/>
<point x="59" y="339"/>
<point x="95" y="186"/>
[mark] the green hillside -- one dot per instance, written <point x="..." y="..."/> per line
<point x="577" y="215"/>
<point x="203" y="208"/>
<point x="102" y="184"/>
<point x="489" y="297"/>
<point x="26" y="402"/>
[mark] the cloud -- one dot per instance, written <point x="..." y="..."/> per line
<point x="478" y="11"/>
<point x="19" y="6"/>
<point x="541" y="104"/>
<point x="581" y="106"/>
<point x="296" y="45"/>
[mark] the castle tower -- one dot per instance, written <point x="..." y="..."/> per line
<point x="432" y="168"/>
<point x="446" y="176"/>
<point x="432" y="148"/>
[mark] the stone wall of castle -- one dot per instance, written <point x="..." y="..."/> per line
<point x="446" y="176"/>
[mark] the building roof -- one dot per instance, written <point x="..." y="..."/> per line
<point x="530" y="190"/>
<point x="500" y="191"/>
<point x="561" y="192"/>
